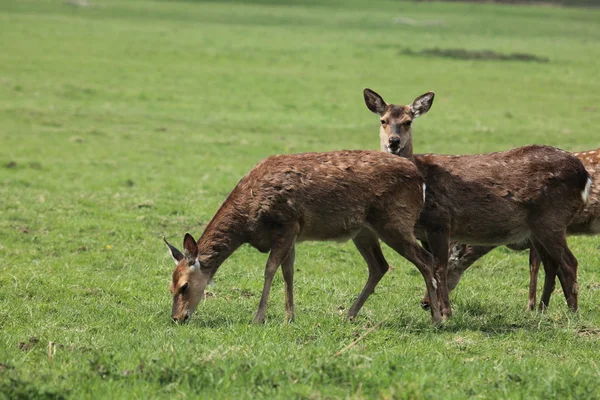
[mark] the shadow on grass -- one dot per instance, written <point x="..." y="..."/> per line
<point x="479" y="55"/>
<point x="474" y="316"/>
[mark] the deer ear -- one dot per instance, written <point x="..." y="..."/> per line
<point x="190" y="247"/>
<point x="176" y="254"/>
<point x="422" y="104"/>
<point x="374" y="102"/>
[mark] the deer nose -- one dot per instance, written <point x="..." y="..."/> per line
<point x="183" y="319"/>
<point x="394" y="141"/>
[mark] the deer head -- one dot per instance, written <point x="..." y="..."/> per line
<point x="395" y="132"/>
<point x="189" y="281"/>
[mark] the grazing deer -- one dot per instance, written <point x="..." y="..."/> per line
<point x="525" y="194"/>
<point x="586" y="222"/>
<point x="358" y="195"/>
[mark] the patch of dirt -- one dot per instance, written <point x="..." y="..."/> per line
<point x="78" y="3"/>
<point x="76" y="139"/>
<point x="593" y="333"/>
<point x="146" y="204"/>
<point x="414" y="22"/>
<point x="26" y="346"/>
<point x="478" y="55"/>
<point x="4" y="367"/>
<point x="594" y="286"/>
<point x="243" y="292"/>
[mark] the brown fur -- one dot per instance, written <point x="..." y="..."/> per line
<point x="529" y="193"/>
<point x="585" y="222"/>
<point x="358" y="195"/>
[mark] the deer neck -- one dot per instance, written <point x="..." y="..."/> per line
<point x="223" y="235"/>
<point x="407" y="151"/>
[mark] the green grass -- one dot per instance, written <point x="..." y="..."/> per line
<point x="127" y="120"/>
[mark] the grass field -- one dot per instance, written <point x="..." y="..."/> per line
<point x="122" y="121"/>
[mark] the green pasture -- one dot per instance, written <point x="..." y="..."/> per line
<point x="123" y="121"/>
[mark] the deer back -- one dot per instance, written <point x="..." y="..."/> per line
<point x="330" y="194"/>
<point x="490" y="196"/>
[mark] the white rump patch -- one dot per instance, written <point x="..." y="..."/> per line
<point x="434" y="283"/>
<point x="585" y="193"/>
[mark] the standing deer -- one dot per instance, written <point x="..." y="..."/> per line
<point x="358" y="195"/>
<point x="586" y="222"/>
<point x="525" y="194"/>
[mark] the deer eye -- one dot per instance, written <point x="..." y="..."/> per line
<point x="183" y="288"/>
<point x="382" y="122"/>
<point x="408" y="123"/>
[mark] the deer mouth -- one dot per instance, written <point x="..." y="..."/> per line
<point x="182" y="320"/>
<point x="393" y="149"/>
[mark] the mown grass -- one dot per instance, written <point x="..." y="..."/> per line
<point x="123" y="121"/>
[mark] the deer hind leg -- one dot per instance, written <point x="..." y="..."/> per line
<point x="534" y="269"/>
<point x="287" y="269"/>
<point x="283" y="241"/>
<point x="553" y="250"/>
<point x="407" y="246"/>
<point x="368" y="245"/>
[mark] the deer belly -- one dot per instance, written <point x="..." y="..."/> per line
<point x="340" y="230"/>
<point x="490" y="234"/>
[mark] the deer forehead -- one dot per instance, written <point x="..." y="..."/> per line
<point x="180" y="276"/>
<point x="398" y="113"/>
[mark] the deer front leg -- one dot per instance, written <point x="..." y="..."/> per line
<point x="534" y="269"/>
<point x="287" y="269"/>
<point x="368" y="245"/>
<point x="460" y="258"/>
<point x="438" y="244"/>
<point x="283" y="241"/>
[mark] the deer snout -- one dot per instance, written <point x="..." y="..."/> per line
<point x="181" y="318"/>
<point x="394" y="142"/>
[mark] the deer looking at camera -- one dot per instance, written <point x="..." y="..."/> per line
<point x="586" y="222"/>
<point x="525" y="194"/>
<point x="358" y="195"/>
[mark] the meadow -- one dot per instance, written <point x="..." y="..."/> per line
<point x="123" y="121"/>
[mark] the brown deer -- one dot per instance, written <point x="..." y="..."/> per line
<point x="341" y="195"/>
<point x="525" y="194"/>
<point x="586" y="222"/>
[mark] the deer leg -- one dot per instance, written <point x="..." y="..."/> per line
<point x="287" y="268"/>
<point x="460" y="258"/>
<point x="534" y="269"/>
<point x="549" y="272"/>
<point x="368" y="245"/>
<point x="555" y="249"/>
<point x="282" y="243"/>
<point x="408" y="248"/>
<point x="438" y="242"/>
